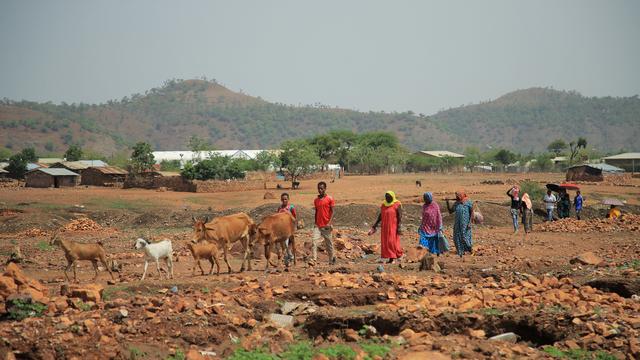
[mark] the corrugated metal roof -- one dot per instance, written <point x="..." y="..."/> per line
<point x="3" y="165"/>
<point x="73" y="165"/>
<point x="56" y="171"/>
<point x="50" y="160"/>
<point x="3" y="171"/>
<point x="625" y="156"/>
<point x="32" y="166"/>
<point x="110" y="170"/>
<point x="442" y="153"/>
<point x="606" y="167"/>
<point x="93" y="163"/>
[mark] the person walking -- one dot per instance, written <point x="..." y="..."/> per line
<point x="390" y="216"/>
<point x="463" y="209"/>
<point x="514" y="194"/>
<point x="285" y="206"/>
<point x="550" y="203"/>
<point x="526" y="209"/>
<point x="564" y="205"/>
<point x="323" y="205"/>
<point x="431" y="226"/>
<point x="577" y="202"/>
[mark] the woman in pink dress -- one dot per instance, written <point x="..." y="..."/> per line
<point x="391" y="216"/>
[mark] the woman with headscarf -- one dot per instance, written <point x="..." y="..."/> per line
<point x="463" y="209"/>
<point x="514" y="194"/>
<point x="391" y="216"/>
<point x="431" y="226"/>
<point x="526" y="208"/>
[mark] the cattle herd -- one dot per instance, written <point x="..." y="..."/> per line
<point x="276" y="232"/>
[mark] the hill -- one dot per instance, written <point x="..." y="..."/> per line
<point x="169" y="115"/>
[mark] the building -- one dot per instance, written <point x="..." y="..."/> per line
<point x="559" y="160"/>
<point x="627" y="161"/>
<point x="3" y="173"/>
<point x="606" y="168"/>
<point x="78" y="166"/>
<point x="51" y="177"/>
<point x="440" y="154"/>
<point x="584" y="173"/>
<point x="49" y="161"/>
<point x="104" y="176"/>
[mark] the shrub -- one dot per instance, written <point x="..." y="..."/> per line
<point x="21" y="309"/>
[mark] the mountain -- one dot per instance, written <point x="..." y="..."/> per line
<point x="169" y="115"/>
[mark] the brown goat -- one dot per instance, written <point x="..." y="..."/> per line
<point x="205" y="250"/>
<point x="74" y="251"/>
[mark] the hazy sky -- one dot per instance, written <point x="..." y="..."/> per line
<point x="366" y="55"/>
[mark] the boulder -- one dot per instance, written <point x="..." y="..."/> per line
<point x="587" y="258"/>
<point x="87" y="292"/>
<point x="7" y="286"/>
<point x="281" y="320"/>
<point x="268" y="195"/>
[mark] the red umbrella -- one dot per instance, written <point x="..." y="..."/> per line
<point x="569" y="186"/>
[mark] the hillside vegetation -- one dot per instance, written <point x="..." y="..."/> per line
<point x="168" y="116"/>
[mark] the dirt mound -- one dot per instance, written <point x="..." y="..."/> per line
<point x="82" y="224"/>
<point x="628" y="222"/>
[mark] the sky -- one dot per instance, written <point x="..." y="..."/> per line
<point x="422" y="56"/>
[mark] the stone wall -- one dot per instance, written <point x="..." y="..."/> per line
<point x="177" y="183"/>
<point x="213" y="186"/>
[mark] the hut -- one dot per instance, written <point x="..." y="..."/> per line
<point x="584" y="172"/>
<point x="104" y="176"/>
<point x="51" y="177"/>
<point x="3" y="173"/>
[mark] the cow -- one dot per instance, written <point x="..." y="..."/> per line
<point x="295" y="185"/>
<point x="274" y="230"/>
<point x="225" y="230"/>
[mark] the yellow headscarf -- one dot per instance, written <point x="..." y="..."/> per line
<point x="393" y="199"/>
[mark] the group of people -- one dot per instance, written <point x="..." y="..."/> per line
<point x="563" y="203"/>
<point x="390" y="220"/>
<point x="520" y="206"/>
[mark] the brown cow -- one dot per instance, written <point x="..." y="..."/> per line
<point x="225" y="230"/>
<point x="275" y="230"/>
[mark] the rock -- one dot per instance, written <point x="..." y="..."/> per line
<point x="369" y="330"/>
<point x="13" y="271"/>
<point x="289" y="307"/>
<point x="320" y="357"/>
<point x="351" y="335"/>
<point x="87" y="292"/>
<point x="268" y="195"/>
<point x="587" y="258"/>
<point x="193" y="355"/>
<point x="407" y="334"/>
<point x="284" y="335"/>
<point x="508" y="337"/>
<point x="479" y="334"/>
<point x="428" y="263"/>
<point x="424" y="355"/>
<point x="123" y="313"/>
<point x="281" y="320"/>
<point x="7" y="286"/>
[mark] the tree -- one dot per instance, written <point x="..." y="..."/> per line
<point x="505" y="157"/>
<point x="29" y="154"/>
<point x="73" y="153"/>
<point x="543" y="162"/>
<point x="198" y="145"/>
<point x="557" y="146"/>
<point x="215" y="167"/>
<point x="298" y="157"/>
<point x="471" y="157"/>
<point x="17" y="166"/>
<point x="575" y="147"/>
<point x="141" y="158"/>
<point x="267" y="160"/>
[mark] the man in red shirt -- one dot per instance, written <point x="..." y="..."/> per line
<point x="323" y="205"/>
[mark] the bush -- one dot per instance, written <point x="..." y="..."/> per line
<point x="21" y="309"/>
<point x="535" y="191"/>
<point x="216" y="167"/>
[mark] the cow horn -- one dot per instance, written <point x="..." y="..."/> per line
<point x="206" y="219"/>
<point x="193" y="218"/>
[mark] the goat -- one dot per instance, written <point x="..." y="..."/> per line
<point x="205" y="250"/>
<point x="74" y="251"/>
<point x="418" y="183"/>
<point x="295" y="185"/>
<point x="155" y="252"/>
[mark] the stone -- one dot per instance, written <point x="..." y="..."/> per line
<point x="87" y="292"/>
<point x="351" y="335"/>
<point x="281" y="320"/>
<point x="123" y="313"/>
<point x="7" y="286"/>
<point x="407" y="334"/>
<point x="587" y="258"/>
<point x="289" y="307"/>
<point x="508" y="337"/>
<point x="194" y="355"/>
<point x="479" y="334"/>
<point x="284" y="335"/>
<point x="424" y="355"/>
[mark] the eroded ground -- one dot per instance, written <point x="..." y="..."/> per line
<point x="355" y="309"/>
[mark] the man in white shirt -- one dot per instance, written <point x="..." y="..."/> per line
<point x="550" y="202"/>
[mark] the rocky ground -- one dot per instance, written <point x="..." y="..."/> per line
<point x="568" y="290"/>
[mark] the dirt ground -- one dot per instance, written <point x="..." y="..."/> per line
<point x="358" y="308"/>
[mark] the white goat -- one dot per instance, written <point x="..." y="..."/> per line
<point x="155" y="252"/>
